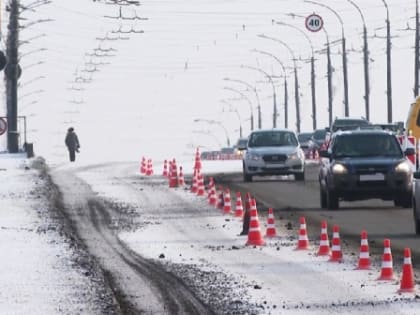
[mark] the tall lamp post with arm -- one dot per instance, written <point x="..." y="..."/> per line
<point x="297" y="97"/>
<point x="285" y="82"/>
<point x="215" y="122"/>
<point x="312" y="70"/>
<point x="234" y="110"/>
<point x="274" y="91"/>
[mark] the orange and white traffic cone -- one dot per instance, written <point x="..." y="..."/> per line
<point x="173" y="180"/>
<point x="387" y="270"/>
<point x="181" y="180"/>
<point x="197" y="163"/>
<point x="364" y="258"/>
<point x="165" y="169"/>
<point x="212" y="196"/>
<point x="336" y="253"/>
<point x="200" y="188"/>
<point x="271" y="226"/>
<point x="407" y="279"/>
<point x="324" y="242"/>
<point x="239" y="210"/>
<point x="303" y="242"/>
<point x="194" y="185"/>
<point x="254" y="232"/>
<point x="143" y="165"/>
<point x="149" y="169"/>
<point x="227" y="205"/>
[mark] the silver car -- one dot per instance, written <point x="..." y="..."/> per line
<point x="273" y="152"/>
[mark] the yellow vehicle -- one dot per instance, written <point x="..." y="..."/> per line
<point x="413" y="120"/>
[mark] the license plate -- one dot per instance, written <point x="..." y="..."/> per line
<point x="368" y="177"/>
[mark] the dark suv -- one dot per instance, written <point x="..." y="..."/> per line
<point x="348" y="123"/>
<point x="365" y="164"/>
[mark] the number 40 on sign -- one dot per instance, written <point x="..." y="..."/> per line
<point x="314" y="22"/>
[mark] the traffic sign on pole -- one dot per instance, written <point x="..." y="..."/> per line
<point x="314" y="22"/>
<point x="3" y="126"/>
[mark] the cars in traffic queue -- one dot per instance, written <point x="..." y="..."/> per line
<point x="273" y="152"/>
<point x="365" y="164"/>
<point x="305" y="141"/>
<point x="240" y="146"/>
<point x="319" y="138"/>
<point x="348" y="123"/>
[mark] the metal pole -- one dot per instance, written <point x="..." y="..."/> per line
<point x="329" y="82"/>
<point x="388" y="64"/>
<point x="274" y="90"/>
<point x="313" y="97"/>
<point x="344" y="54"/>
<point x="286" y="104"/>
<point x="244" y="97"/>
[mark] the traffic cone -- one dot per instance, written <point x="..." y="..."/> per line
<point x="254" y="233"/>
<point x="197" y="163"/>
<point x="165" y="169"/>
<point x="239" y="210"/>
<point x="173" y="180"/>
<point x="181" y="180"/>
<point x="324" y="243"/>
<point x="407" y="279"/>
<point x="200" y="185"/>
<point x="336" y="253"/>
<point x="364" y="259"/>
<point x="194" y="185"/>
<point x="387" y="271"/>
<point x="303" y="242"/>
<point x="212" y="196"/>
<point x="149" y="167"/>
<point x="220" y="201"/>
<point x="227" y="205"/>
<point x="143" y="165"/>
<point x="271" y="226"/>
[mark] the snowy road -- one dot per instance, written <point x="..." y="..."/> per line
<point x="137" y="227"/>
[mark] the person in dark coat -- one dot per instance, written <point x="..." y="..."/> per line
<point x="72" y="143"/>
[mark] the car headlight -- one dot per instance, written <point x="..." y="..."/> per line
<point x="253" y="156"/>
<point x="403" y="167"/>
<point x="293" y="156"/>
<point x="339" y="169"/>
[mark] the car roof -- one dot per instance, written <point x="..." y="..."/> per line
<point x="363" y="131"/>
<point x="273" y="129"/>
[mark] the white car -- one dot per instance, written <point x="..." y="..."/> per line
<point x="273" y="152"/>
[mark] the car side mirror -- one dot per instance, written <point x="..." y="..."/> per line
<point x="416" y="175"/>
<point x="410" y="151"/>
<point x="324" y="154"/>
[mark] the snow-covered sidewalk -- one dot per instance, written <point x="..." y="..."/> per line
<point x="42" y="270"/>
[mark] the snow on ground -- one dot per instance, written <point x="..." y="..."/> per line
<point x="38" y="271"/>
<point x="278" y="279"/>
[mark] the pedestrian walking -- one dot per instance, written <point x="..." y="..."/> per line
<point x="72" y="143"/>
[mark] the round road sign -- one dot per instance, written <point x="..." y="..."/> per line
<point x="314" y="22"/>
<point x="3" y="126"/>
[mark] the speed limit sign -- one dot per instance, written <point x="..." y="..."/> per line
<point x="3" y="126"/>
<point x="314" y="22"/>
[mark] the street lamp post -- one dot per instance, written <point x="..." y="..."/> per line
<point x="233" y="109"/>
<point x="274" y="91"/>
<point x="249" y="101"/>
<point x="285" y="82"/>
<point x="344" y="54"/>
<point x="365" y="60"/>
<point x="215" y="122"/>
<point x="297" y="97"/>
<point x="314" y="123"/>
<point x="388" y="64"/>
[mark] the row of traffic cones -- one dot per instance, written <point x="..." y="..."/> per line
<point x="407" y="280"/>
<point x="146" y="166"/>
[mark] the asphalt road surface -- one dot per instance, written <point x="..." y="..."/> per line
<point x="290" y="199"/>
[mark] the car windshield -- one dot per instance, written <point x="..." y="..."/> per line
<point x="272" y="139"/>
<point x="320" y="134"/>
<point x="365" y="145"/>
<point x="303" y="137"/>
